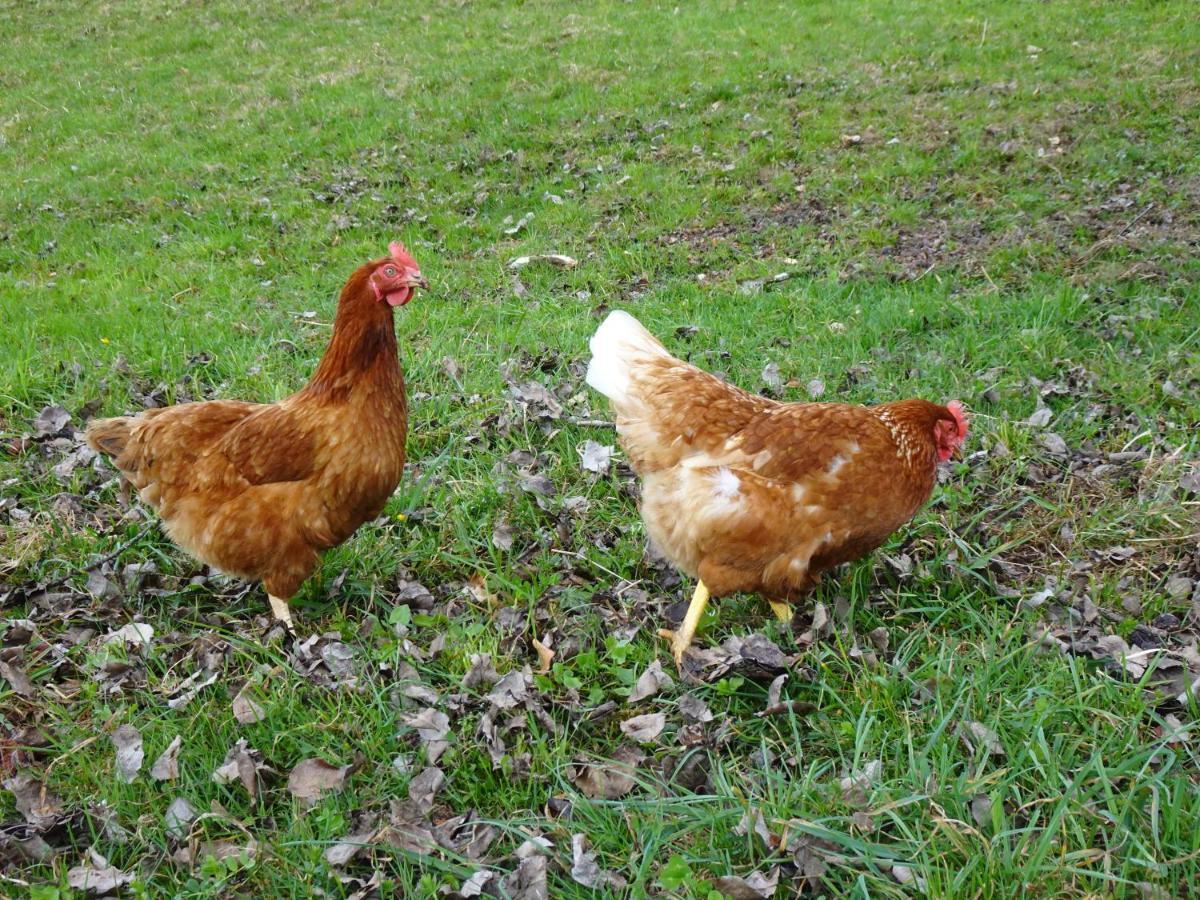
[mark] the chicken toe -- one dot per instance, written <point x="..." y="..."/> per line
<point x="783" y="611"/>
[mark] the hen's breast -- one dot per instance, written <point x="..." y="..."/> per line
<point x="775" y="506"/>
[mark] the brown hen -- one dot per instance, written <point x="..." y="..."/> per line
<point x="745" y="493"/>
<point x="258" y="490"/>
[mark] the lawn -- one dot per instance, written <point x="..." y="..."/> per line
<point x="860" y="201"/>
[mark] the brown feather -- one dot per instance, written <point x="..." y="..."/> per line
<point x="749" y="494"/>
<point x="257" y="490"/>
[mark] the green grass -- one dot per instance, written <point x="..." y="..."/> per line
<point x="182" y="181"/>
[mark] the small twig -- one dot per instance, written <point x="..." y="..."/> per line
<point x="1108" y="240"/>
<point x="592" y="562"/>
<point x="107" y="557"/>
<point x="592" y="423"/>
<point x="125" y="546"/>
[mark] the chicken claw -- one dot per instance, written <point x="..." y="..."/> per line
<point x="682" y="639"/>
<point x="783" y="611"/>
<point x="280" y="609"/>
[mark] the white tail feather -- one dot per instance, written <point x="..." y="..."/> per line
<point x="619" y="344"/>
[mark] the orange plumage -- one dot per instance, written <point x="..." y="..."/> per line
<point x="749" y="494"/>
<point x="258" y="490"/>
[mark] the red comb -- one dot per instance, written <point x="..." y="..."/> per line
<point x="401" y="256"/>
<point x="960" y="416"/>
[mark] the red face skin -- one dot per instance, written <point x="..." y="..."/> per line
<point x="949" y="436"/>
<point x="395" y="279"/>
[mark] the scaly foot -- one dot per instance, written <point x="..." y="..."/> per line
<point x="682" y="639"/>
<point x="279" y="609"/>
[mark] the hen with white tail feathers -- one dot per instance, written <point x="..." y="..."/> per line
<point x="746" y="493"/>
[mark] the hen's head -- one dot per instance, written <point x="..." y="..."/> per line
<point x="949" y="434"/>
<point x="396" y="276"/>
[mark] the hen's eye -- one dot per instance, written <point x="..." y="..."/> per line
<point x="390" y="271"/>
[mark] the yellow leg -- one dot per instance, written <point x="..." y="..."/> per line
<point x="280" y="609"/>
<point x="783" y="611"/>
<point x="682" y="639"/>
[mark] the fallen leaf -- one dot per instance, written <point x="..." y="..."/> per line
<point x="644" y="729"/>
<point x="609" y="779"/>
<point x="240" y="765"/>
<point x="217" y="850"/>
<point x="528" y="881"/>
<point x="17" y="680"/>
<point x="166" y="767"/>
<point x="981" y="810"/>
<point x="179" y="817"/>
<point x="96" y="876"/>
<point x="482" y="671"/>
<point x="586" y="871"/>
<point x="775" y="691"/>
<point x="857" y="785"/>
<point x="246" y="710"/>
<point x="128" y="742"/>
<point x="976" y="735"/>
<point x="191" y="689"/>
<point x="34" y="801"/>
<point x="431" y="724"/>
<point x="595" y="457"/>
<point x="512" y="689"/>
<point x="135" y="636"/>
<point x="545" y="657"/>
<point x="424" y="787"/>
<point x="755" y="886"/>
<point x="650" y="682"/>
<point x="312" y="778"/>
<point x="50" y="421"/>
<point x="905" y="875"/>
<point x="1041" y="417"/>
<point x="502" y="539"/>
<point x="771" y="376"/>
<point x="694" y="710"/>
<point x="341" y="853"/>
<point x="479" y="590"/>
<point x="555" y="259"/>
<point x="1053" y="443"/>
<point x="519" y="224"/>
<point x="815" y="388"/>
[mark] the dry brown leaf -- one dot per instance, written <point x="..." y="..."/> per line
<point x="40" y="807"/>
<point x="95" y="876"/>
<point x="545" y="657"/>
<point x="755" y="886"/>
<point x="179" y="817"/>
<point x="650" y="682"/>
<point x="586" y="871"/>
<point x="609" y="779"/>
<point x="246" y="710"/>
<point x="479" y="590"/>
<point x="128" y="742"/>
<point x="241" y="764"/>
<point x="644" y="729"/>
<point x="166" y="767"/>
<point x="18" y="680"/>
<point x="312" y="778"/>
<point x="424" y="787"/>
<point x="976" y="734"/>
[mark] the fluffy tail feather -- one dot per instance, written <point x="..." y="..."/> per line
<point x="109" y="435"/>
<point x="619" y="344"/>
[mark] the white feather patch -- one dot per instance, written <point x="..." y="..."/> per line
<point x="616" y="347"/>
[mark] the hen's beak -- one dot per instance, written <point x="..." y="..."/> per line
<point x="416" y="279"/>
